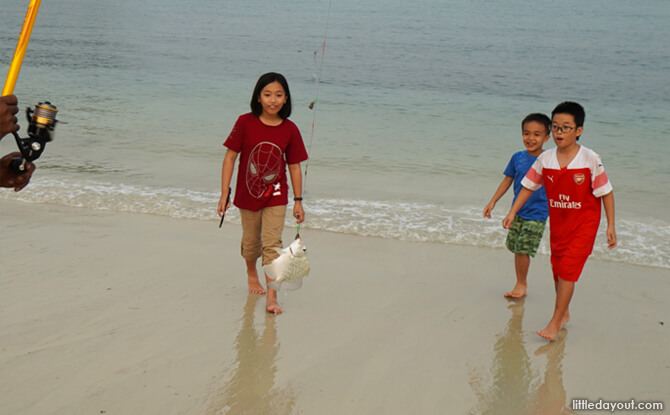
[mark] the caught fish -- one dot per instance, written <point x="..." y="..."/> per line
<point x="290" y="267"/>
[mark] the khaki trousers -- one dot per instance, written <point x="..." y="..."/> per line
<point x="262" y="232"/>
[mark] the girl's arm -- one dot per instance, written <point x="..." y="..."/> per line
<point x="524" y="194"/>
<point x="608" y="203"/>
<point x="504" y="185"/>
<point x="296" y="183"/>
<point x="226" y="176"/>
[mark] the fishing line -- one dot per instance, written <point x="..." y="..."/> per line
<point x="314" y="104"/>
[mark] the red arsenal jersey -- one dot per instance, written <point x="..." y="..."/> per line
<point x="573" y="194"/>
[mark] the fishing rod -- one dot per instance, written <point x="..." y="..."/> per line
<point x="313" y="105"/>
<point x="42" y="120"/>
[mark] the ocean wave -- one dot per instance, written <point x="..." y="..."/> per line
<point x="646" y="244"/>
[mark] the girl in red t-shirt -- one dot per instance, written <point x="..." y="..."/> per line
<point x="267" y="142"/>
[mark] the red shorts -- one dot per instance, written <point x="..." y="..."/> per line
<point x="567" y="268"/>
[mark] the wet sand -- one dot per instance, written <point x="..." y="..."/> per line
<point x="114" y="313"/>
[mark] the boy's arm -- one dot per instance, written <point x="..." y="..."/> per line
<point x="608" y="203"/>
<point x="504" y="185"/>
<point x="523" y="196"/>
<point x="296" y="182"/>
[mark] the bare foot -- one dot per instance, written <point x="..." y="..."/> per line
<point x="255" y="286"/>
<point x="551" y="331"/>
<point x="273" y="307"/>
<point x="553" y="349"/>
<point x="272" y="304"/>
<point x="548" y="333"/>
<point x="519" y="291"/>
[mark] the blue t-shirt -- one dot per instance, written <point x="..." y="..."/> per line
<point x="536" y="207"/>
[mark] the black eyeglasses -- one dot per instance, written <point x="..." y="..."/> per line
<point x="564" y="129"/>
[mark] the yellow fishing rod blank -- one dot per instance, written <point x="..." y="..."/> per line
<point x="21" y="47"/>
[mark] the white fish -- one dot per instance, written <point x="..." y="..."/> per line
<point x="290" y="267"/>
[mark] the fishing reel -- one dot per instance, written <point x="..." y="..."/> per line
<point x="40" y="131"/>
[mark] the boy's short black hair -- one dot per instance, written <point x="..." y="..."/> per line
<point x="538" y="117"/>
<point x="572" y="108"/>
<point x="263" y="81"/>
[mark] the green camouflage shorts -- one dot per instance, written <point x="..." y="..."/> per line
<point x="524" y="236"/>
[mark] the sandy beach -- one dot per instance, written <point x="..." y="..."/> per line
<point x="112" y="313"/>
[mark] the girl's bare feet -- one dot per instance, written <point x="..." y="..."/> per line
<point x="255" y="286"/>
<point x="272" y="304"/>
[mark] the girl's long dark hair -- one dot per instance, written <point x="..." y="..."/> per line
<point x="263" y="81"/>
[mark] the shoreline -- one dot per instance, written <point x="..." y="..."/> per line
<point x="642" y="243"/>
<point x="132" y="313"/>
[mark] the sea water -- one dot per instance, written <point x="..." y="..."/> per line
<point x="418" y="105"/>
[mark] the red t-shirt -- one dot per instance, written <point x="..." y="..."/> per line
<point x="264" y="152"/>
<point x="573" y="193"/>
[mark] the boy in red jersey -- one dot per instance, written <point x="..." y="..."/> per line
<point x="575" y="182"/>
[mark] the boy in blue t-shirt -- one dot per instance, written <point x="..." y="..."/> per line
<point x="525" y="234"/>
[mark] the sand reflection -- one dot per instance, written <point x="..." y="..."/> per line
<point x="513" y="387"/>
<point x="250" y="388"/>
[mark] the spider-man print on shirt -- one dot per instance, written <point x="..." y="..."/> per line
<point x="264" y="169"/>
